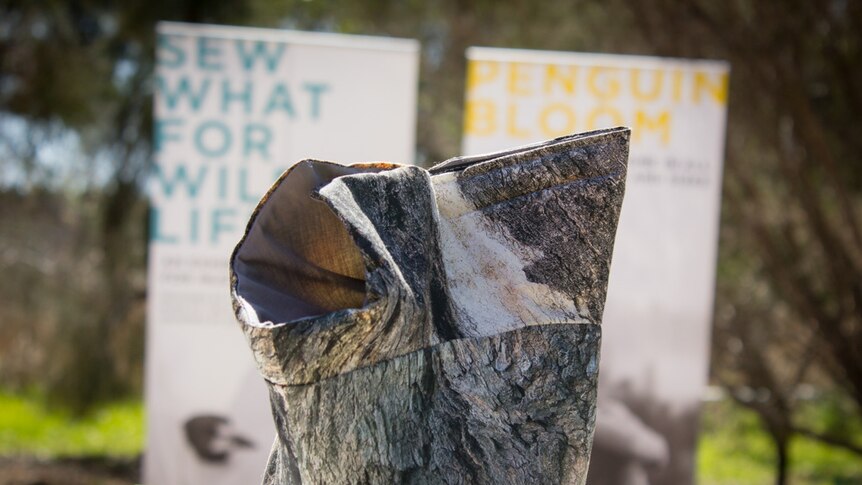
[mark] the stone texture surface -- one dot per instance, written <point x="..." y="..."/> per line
<point x="472" y="356"/>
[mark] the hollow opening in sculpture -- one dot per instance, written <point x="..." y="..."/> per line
<point x="298" y="259"/>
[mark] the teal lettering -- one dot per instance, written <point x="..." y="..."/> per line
<point x="260" y="50"/>
<point x="279" y="99"/>
<point x="169" y="54"/>
<point x="183" y="90"/>
<point x="222" y="183"/>
<point x="156" y="234"/>
<point x="194" y="225"/>
<point x="219" y="226"/>
<point x="161" y="134"/>
<point x="315" y="90"/>
<point x="228" y="96"/>
<point x="180" y="178"/>
<point x="257" y="138"/>
<point x="208" y="54"/>
<point x="212" y="139"/>
<point x="243" y="188"/>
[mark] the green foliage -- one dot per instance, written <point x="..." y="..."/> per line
<point x="734" y="449"/>
<point x="28" y="426"/>
<point x="834" y="414"/>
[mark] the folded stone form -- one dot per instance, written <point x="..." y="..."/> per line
<point x="438" y="326"/>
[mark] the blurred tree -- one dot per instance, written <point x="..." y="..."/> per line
<point x="789" y="307"/>
<point x="445" y="29"/>
<point x="84" y="67"/>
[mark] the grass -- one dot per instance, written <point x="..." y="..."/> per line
<point x="733" y="448"/>
<point x="29" y="427"/>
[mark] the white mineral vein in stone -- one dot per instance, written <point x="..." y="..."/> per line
<point x="485" y="270"/>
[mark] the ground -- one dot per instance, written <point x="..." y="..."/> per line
<point x="94" y="471"/>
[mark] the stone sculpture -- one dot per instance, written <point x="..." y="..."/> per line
<point x="434" y="326"/>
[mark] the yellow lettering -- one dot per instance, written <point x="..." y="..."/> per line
<point x="512" y="127"/>
<point x="480" y="117"/>
<point x="660" y="123"/>
<point x="481" y="72"/>
<point x="715" y="86"/>
<point x="655" y="88"/>
<point x="603" y="82"/>
<point x="519" y="79"/>
<point x="552" y="128"/>
<point x="602" y="112"/>
<point x="677" y="85"/>
<point x="564" y="76"/>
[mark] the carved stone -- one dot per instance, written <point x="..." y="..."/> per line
<point x="434" y="326"/>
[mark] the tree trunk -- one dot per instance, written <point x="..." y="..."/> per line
<point x="782" y="464"/>
<point x="434" y="327"/>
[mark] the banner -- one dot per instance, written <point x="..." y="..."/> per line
<point x="656" y="327"/>
<point x="234" y="108"/>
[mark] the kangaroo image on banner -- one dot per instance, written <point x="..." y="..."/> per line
<point x="234" y="108"/>
<point x="657" y="318"/>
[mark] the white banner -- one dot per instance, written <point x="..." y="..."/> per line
<point x="657" y="319"/>
<point x="234" y="107"/>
